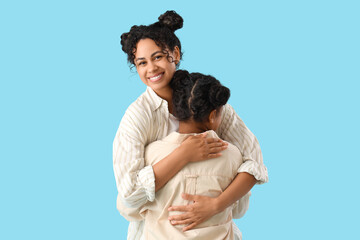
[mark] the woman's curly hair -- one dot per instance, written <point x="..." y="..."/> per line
<point x="161" y="32"/>
<point x="195" y="95"/>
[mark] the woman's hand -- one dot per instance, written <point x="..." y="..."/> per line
<point x="202" y="209"/>
<point x="199" y="148"/>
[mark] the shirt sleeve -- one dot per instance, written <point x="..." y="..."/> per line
<point x="131" y="214"/>
<point x="135" y="181"/>
<point x="241" y="206"/>
<point x="233" y="130"/>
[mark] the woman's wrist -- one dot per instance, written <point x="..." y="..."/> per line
<point x="218" y="205"/>
<point x="182" y="155"/>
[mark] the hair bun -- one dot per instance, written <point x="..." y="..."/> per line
<point x="219" y="95"/>
<point x="124" y="37"/>
<point x="181" y="84"/>
<point x="181" y="74"/>
<point x="172" y="20"/>
<point x="181" y="77"/>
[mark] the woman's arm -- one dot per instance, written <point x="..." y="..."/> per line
<point x="135" y="181"/>
<point x="205" y="207"/>
<point x="240" y="186"/>
<point x="234" y="130"/>
<point x="241" y="206"/>
<point x="253" y="170"/>
<point x="194" y="148"/>
<point x="167" y="167"/>
<point x="138" y="183"/>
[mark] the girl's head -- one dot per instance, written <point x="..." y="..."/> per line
<point x="155" y="50"/>
<point x="198" y="98"/>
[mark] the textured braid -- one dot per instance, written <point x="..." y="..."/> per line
<point x="195" y="95"/>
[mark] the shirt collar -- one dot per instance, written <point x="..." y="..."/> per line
<point x="176" y="137"/>
<point x="156" y="100"/>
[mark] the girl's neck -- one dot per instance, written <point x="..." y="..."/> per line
<point x="192" y="127"/>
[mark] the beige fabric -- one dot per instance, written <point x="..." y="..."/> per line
<point x="147" y="120"/>
<point x="207" y="178"/>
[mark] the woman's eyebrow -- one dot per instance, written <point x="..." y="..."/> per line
<point x="139" y="59"/>
<point x="142" y="58"/>
<point x="156" y="53"/>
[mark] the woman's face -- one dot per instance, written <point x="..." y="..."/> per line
<point x="155" y="68"/>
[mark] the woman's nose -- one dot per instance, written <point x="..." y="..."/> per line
<point x="152" y="67"/>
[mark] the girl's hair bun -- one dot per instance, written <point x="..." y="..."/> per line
<point x="219" y="95"/>
<point x="179" y="77"/>
<point x="195" y="95"/>
<point x="181" y="84"/>
<point x="172" y="20"/>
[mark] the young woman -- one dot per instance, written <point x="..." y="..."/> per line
<point x="156" y="52"/>
<point x="197" y="103"/>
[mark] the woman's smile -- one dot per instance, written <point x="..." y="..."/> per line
<point x="156" y="78"/>
<point x="156" y="66"/>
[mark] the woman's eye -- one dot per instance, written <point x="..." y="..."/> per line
<point x="141" y="63"/>
<point x="158" y="57"/>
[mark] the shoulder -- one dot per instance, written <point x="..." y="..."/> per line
<point x="233" y="154"/>
<point x="232" y="150"/>
<point x="158" y="150"/>
<point x="232" y="126"/>
<point x="140" y="110"/>
<point x="137" y="120"/>
<point x="144" y="103"/>
<point x="228" y="113"/>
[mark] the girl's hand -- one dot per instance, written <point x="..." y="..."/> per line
<point x="202" y="209"/>
<point x="199" y="148"/>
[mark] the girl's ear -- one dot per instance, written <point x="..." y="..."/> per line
<point x="212" y="116"/>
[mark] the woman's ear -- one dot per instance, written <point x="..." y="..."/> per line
<point x="176" y="54"/>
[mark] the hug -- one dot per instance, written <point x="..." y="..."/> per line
<point x="184" y="161"/>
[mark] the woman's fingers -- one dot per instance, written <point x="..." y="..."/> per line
<point x="216" y="145"/>
<point x="213" y="150"/>
<point x="193" y="214"/>
<point x="214" y="155"/>
<point x="212" y="140"/>
<point x="181" y="222"/>
<point x="178" y="208"/>
<point x="189" y="197"/>
<point x="217" y="149"/>
<point x="189" y="226"/>
<point x="179" y="217"/>
<point x="199" y="148"/>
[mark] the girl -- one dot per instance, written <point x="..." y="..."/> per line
<point x="155" y="51"/>
<point x="197" y="104"/>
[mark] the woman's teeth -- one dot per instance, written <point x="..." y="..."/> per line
<point x="157" y="77"/>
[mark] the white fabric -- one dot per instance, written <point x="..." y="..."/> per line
<point x="206" y="178"/>
<point x="147" y="120"/>
<point x="173" y="124"/>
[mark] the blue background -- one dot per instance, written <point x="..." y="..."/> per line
<point x="292" y="66"/>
